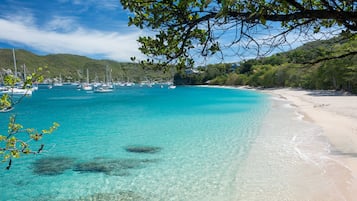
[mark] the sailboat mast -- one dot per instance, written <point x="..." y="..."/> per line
<point x="87" y="76"/>
<point x="24" y="66"/>
<point x="13" y="54"/>
<point x="106" y="74"/>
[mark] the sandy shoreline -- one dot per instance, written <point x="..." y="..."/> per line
<point x="332" y="173"/>
<point x="307" y="148"/>
<point x="336" y="114"/>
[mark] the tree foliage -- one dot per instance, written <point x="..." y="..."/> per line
<point x="13" y="144"/>
<point x="291" y="69"/>
<point x="186" y="29"/>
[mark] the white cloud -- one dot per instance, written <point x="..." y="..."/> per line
<point x="59" y="23"/>
<point x="109" y="45"/>
<point x="23" y="15"/>
<point x="104" y="4"/>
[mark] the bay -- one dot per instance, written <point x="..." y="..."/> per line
<point x="186" y="143"/>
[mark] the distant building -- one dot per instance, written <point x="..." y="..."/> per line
<point x="191" y="71"/>
<point x="234" y="67"/>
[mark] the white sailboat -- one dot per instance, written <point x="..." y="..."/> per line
<point x="103" y="89"/>
<point x="87" y="86"/>
<point x="107" y="86"/>
<point x="27" y="91"/>
<point x="172" y="87"/>
<point x="58" y="82"/>
<point x="172" y="83"/>
<point x="17" y="91"/>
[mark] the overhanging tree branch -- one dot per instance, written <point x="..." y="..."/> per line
<point x="352" y="53"/>
<point x="182" y="22"/>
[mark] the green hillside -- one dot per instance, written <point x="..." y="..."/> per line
<point x="315" y="65"/>
<point x="304" y="67"/>
<point x="73" y="67"/>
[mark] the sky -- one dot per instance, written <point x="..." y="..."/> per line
<point x="94" y="28"/>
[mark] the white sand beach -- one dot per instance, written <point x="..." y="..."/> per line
<point x="307" y="149"/>
<point x="336" y="114"/>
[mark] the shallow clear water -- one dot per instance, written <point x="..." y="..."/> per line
<point x="201" y="135"/>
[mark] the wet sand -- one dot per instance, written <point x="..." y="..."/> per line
<point x="318" y="153"/>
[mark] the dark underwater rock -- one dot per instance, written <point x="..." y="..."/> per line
<point x="115" y="167"/>
<point x="142" y="149"/>
<point x="91" y="167"/>
<point x="52" y="165"/>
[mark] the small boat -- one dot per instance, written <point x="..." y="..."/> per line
<point x="103" y="89"/>
<point x="7" y="109"/>
<point x="58" y="83"/>
<point x="17" y="91"/>
<point x="172" y="87"/>
<point x="86" y="86"/>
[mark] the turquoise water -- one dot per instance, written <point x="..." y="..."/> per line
<point x="199" y="135"/>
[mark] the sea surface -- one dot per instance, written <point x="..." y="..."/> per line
<point x="137" y="143"/>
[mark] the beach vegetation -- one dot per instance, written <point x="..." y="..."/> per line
<point x="295" y="68"/>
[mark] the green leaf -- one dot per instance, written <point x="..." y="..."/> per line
<point x="6" y="157"/>
<point x="263" y="20"/>
<point x="15" y="154"/>
<point x="2" y="138"/>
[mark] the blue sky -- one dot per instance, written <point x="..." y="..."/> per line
<point x="96" y="29"/>
<point x="93" y="28"/>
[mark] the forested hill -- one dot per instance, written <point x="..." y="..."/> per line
<point x="73" y="67"/>
<point x="305" y="67"/>
<point x="315" y="65"/>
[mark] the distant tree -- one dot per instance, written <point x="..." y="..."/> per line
<point x="245" y="67"/>
<point x="214" y="70"/>
<point x="181" y="26"/>
<point x="351" y="79"/>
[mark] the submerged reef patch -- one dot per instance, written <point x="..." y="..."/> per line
<point x="115" y="167"/>
<point x="142" y="149"/>
<point x="52" y="165"/>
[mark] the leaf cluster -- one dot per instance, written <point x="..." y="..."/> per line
<point x="12" y="146"/>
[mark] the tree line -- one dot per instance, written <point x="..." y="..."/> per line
<point x="72" y="68"/>
<point x="297" y="68"/>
